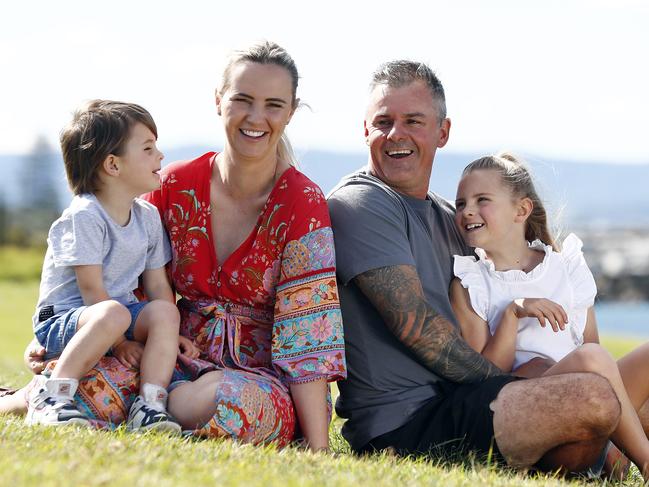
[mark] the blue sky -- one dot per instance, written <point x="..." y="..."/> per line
<point x="558" y="79"/>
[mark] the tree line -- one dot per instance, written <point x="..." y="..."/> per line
<point x="27" y="221"/>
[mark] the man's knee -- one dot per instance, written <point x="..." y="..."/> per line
<point x="600" y="405"/>
<point x="569" y="408"/>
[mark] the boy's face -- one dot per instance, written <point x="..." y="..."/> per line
<point x="141" y="161"/>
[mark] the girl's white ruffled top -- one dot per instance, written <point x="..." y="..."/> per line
<point x="562" y="277"/>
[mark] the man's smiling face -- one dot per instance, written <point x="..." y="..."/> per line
<point x="403" y="131"/>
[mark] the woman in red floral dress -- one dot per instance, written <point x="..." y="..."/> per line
<point x="253" y="261"/>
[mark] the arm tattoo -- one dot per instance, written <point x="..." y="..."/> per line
<point x="398" y="296"/>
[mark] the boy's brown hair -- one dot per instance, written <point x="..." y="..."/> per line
<point x="98" y="129"/>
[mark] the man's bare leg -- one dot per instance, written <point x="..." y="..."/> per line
<point x="572" y="457"/>
<point x="559" y="421"/>
<point x="629" y="434"/>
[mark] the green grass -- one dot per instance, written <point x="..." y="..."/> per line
<point x="21" y="264"/>
<point x="44" y="457"/>
<point x="17" y="302"/>
<point x="40" y="456"/>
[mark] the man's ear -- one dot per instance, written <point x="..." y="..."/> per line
<point x="111" y="165"/>
<point x="444" y="132"/>
<point x="366" y="132"/>
<point x="524" y="209"/>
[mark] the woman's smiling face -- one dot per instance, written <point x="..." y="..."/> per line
<point x="256" y="105"/>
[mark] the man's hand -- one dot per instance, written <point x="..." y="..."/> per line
<point x="34" y="357"/>
<point x="398" y="296"/>
<point x="187" y="347"/>
<point x="129" y="353"/>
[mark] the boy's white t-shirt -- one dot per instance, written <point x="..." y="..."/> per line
<point x="562" y="277"/>
<point x="86" y="235"/>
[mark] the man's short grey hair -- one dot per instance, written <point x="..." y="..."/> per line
<point x="403" y="72"/>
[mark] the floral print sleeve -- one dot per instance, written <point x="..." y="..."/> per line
<point x="267" y="316"/>
<point x="307" y="337"/>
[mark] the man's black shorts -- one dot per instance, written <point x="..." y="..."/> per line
<point x="457" y="421"/>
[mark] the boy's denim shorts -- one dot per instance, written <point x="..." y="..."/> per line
<point x="56" y="332"/>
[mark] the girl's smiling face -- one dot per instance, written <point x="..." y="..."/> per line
<point x="487" y="214"/>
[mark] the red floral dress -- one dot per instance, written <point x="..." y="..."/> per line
<point x="267" y="316"/>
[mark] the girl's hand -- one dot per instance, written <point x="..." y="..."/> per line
<point x="129" y="353"/>
<point x="541" y="309"/>
<point x="187" y="347"/>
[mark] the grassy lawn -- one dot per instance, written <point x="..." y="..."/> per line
<point x="41" y="456"/>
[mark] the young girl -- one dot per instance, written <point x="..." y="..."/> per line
<point x="521" y="281"/>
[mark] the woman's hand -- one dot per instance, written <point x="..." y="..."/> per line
<point x="541" y="309"/>
<point x="34" y="357"/>
<point x="187" y="347"/>
<point x="310" y="399"/>
<point x="129" y="353"/>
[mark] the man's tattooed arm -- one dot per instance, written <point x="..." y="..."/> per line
<point x="398" y="296"/>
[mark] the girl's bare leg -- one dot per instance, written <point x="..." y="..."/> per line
<point x="634" y="370"/>
<point x="629" y="435"/>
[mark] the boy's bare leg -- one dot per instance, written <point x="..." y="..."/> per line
<point x="52" y="401"/>
<point x="563" y="420"/>
<point x="157" y="328"/>
<point x="99" y="326"/>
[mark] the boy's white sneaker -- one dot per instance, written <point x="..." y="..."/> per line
<point x="149" y="412"/>
<point x="52" y="403"/>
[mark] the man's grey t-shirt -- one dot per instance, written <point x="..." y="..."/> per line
<point x="375" y="226"/>
<point x="86" y="235"/>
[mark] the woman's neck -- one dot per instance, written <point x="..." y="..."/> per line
<point x="249" y="179"/>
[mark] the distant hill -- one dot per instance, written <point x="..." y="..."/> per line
<point x="590" y="193"/>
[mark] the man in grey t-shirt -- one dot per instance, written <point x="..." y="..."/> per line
<point x="413" y="383"/>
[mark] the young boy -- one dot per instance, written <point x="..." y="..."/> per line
<point x="97" y="249"/>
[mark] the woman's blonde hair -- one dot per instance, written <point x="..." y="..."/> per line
<point x="516" y="176"/>
<point x="266" y="52"/>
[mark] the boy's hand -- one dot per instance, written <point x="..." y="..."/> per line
<point x="34" y="357"/>
<point x="187" y="347"/>
<point x="129" y="353"/>
<point x="542" y="309"/>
